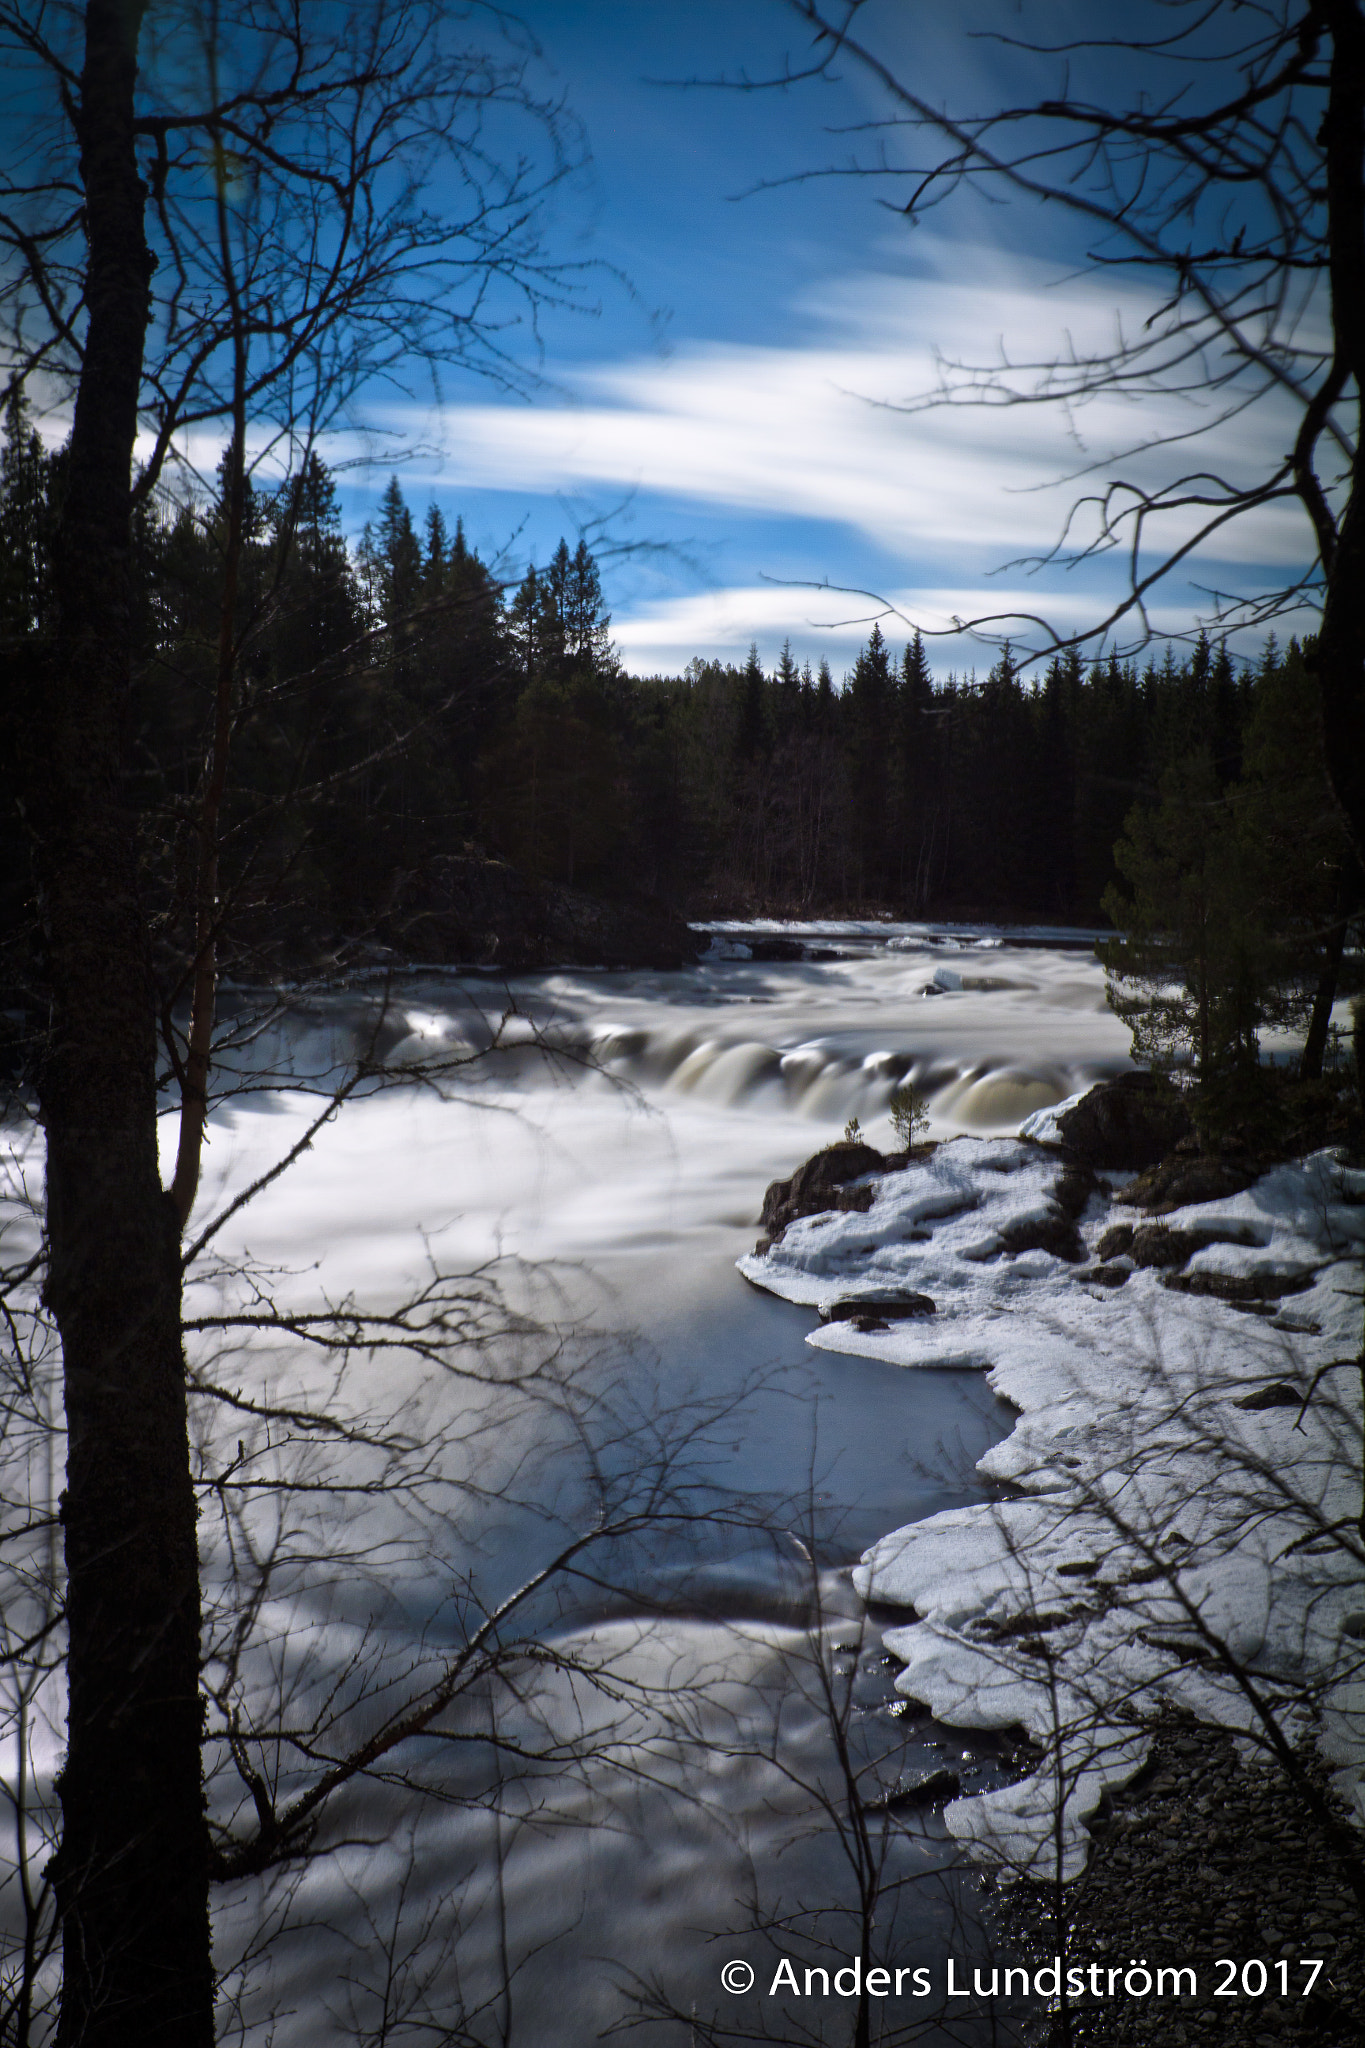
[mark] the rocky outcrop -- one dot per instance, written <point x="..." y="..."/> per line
<point x="1125" y="1124"/>
<point x="1182" y="1182"/>
<point x="1240" y="1288"/>
<point x="1116" y="1242"/>
<point x="821" y="1184"/>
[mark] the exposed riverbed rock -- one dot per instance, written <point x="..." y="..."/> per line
<point x="877" y="1311"/>
<point x="1125" y="1124"/>
<point x="930" y="1788"/>
<point x="821" y="1184"/>
<point x="1279" y="1394"/>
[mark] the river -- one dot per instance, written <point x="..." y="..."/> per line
<point x="603" y="1157"/>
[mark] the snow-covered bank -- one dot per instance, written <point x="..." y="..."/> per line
<point x="1186" y="1472"/>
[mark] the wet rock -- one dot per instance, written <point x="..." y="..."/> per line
<point x="764" y="946"/>
<point x="821" y="1184"/>
<point x="1116" y="1241"/>
<point x="1130" y="1122"/>
<point x="922" y="1791"/>
<point x="876" y="1311"/>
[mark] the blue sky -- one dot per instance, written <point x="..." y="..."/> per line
<point x="720" y="424"/>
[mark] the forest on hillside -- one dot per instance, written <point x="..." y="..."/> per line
<point x="399" y="707"/>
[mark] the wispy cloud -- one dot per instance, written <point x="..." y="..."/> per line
<point x="661" y="637"/>
<point x="805" y="427"/>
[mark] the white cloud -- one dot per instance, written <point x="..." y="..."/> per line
<point x="787" y="428"/>
<point x="661" y="637"/>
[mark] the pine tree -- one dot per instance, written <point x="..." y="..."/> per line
<point x="751" y="723"/>
<point x="399" y="556"/>
<point x="1193" y="915"/>
<point x="870" y="741"/>
<point x="434" y="555"/>
<point x="24" y="523"/>
<point x="587" y="624"/>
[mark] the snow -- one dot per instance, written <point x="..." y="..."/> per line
<point x="1162" y="1547"/>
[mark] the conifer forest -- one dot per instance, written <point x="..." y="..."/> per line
<point x="403" y="706"/>
<point x="459" y="1585"/>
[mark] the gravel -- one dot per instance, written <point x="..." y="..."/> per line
<point x="1202" y="1858"/>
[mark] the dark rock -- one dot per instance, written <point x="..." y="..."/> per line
<point x="873" y="1311"/>
<point x="1196" y="1857"/>
<point x="1106" y="1276"/>
<point x="1055" y="1233"/>
<point x="1277" y="1396"/>
<point x="821" y="1184"/>
<point x="1133" y="1121"/>
<point x="1117" y="1240"/>
<point x="1240" y="1287"/>
<point x="1073" y="1190"/>
<point x="926" y="1791"/>
<point x="1155" y="1244"/>
<point x="1179" y="1183"/>
<point x="765" y="947"/>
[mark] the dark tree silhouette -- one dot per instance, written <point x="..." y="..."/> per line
<point x="220" y="214"/>
<point x="1218" y="152"/>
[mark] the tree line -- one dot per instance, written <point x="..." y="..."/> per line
<point x="399" y="702"/>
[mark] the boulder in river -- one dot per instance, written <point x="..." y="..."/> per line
<point x="876" y="1311"/>
<point x="1125" y="1124"/>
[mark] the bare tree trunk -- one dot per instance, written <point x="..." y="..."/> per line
<point x="131" y="1873"/>
<point x="1340" y="655"/>
<point x="1315" y="1044"/>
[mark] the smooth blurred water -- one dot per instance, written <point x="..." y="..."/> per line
<point x="609" y="1151"/>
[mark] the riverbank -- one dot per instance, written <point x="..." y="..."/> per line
<point x="1179" y="1537"/>
<point x="1198" y="1859"/>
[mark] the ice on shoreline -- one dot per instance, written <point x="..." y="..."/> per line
<point x="1163" y="1545"/>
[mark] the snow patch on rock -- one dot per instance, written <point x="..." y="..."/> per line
<point x="1165" y="1547"/>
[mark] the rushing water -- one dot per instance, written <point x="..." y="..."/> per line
<point x="607" y="1155"/>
